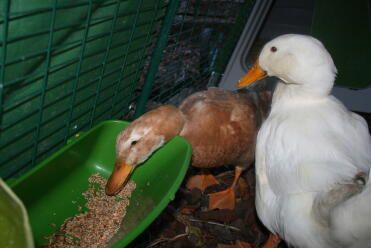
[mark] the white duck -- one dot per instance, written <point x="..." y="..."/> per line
<point x="313" y="156"/>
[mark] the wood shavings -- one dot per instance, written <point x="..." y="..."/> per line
<point x="95" y="227"/>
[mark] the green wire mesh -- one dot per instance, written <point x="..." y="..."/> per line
<point x="201" y="31"/>
<point x="65" y="66"/>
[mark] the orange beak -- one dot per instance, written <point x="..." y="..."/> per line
<point x="118" y="178"/>
<point x="256" y="73"/>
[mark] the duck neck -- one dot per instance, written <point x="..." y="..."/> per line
<point x="291" y="94"/>
<point x="166" y="120"/>
<point x="175" y="124"/>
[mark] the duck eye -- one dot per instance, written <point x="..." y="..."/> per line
<point x="134" y="142"/>
<point x="274" y="49"/>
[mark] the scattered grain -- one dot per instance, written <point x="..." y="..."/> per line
<point x="94" y="228"/>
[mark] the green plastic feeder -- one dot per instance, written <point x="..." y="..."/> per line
<point x="49" y="189"/>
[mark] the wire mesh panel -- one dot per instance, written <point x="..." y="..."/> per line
<point x="201" y="31"/>
<point x="65" y="66"/>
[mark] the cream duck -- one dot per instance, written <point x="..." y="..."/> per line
<point x="220" y="125"/>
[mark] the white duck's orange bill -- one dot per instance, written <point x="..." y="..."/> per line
<point x="118" y="178"/>
<point x="254" y="74"/>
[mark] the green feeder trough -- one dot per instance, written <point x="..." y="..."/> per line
<point x="48" y="189"/>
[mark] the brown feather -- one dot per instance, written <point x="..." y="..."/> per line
<point x="221" y="126"/>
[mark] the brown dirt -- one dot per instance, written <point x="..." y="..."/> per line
<point x="187" y="222"/>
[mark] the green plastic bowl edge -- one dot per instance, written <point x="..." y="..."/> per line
<point x="162" y="205"/>
<point x="170" y="195"/>
<point x="72" y="140"/>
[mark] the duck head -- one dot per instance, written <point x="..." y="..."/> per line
<point x="136" y="143"/>
<point x="298" y="60"/>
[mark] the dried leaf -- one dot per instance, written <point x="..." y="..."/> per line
<point x="239" y="244"/>
<point x="187" y="210"/>
<point x="201" y="181"/>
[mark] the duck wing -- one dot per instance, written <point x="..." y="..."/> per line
<point x="221" y="126"/>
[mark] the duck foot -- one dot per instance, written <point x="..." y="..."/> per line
<point x="273" y="241"/>
<point x="225" y="199"/>
<point x="202" y="181"/>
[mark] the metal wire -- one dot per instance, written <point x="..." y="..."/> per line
<point x="80" y="62"/>
<point x="45" y="83"/>
<point x="3" y="57"/>
<point x="104" y="64"/>
<point x="59" y="78"/>
<point x="124" y="64"/>
<point x="198" y="34"/>
<point x="78" y="70"/>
